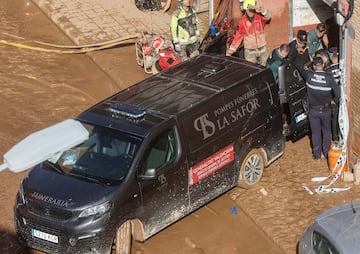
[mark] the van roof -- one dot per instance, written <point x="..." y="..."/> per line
<point x="140" y="107"/>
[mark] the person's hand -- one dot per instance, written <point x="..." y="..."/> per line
<point x="229" y="52"/>
<point x="177" y="47"/>
<point x="197" y="33"/>
<point x="260" y="9"/>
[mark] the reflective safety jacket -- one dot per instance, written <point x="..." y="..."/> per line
<point x="184" y="26"/>
<point x="252" y="33"/>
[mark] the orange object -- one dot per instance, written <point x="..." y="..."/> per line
<point x="333" y="156"/>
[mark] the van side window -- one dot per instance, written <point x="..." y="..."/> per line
<point x="162" y="150"/>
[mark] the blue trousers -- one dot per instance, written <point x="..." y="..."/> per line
<point x="320" y="124"/>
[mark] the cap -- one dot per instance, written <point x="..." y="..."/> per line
<point x="317" y="61"/>
<point x="302" y="36"/>
<point x="249" y="3"/>
<point x="333" y="51"/>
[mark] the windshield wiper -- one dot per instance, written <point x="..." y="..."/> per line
<point x="82" y="176"/>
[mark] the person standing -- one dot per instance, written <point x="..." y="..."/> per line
<point x="184" y="30"/>
<point x="321" y="91"/>
<point x="317" y="39"/>
<point x="251" y="31"/>
<point x="334" y="70"/>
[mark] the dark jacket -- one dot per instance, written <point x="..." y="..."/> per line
<point x="335" y="71"/>
<point x="298" y="60"/>
<point x="321" y="89"/>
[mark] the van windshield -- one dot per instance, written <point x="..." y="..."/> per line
<point x="105" y="157"/>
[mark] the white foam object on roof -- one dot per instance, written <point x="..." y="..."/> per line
<point x="41" y="145"/>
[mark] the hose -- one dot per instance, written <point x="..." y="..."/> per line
<point x="79" y="49"/>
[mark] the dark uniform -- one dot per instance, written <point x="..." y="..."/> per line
<point x="298" y="56"/>
<point x="321" y="91"/>
<point x="334" y="70"/>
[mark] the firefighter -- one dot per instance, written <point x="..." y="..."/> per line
<point x="184" y="30"/>
<point x="251" y="31"/>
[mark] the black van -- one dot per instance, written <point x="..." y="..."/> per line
<point x="156" y="151"/>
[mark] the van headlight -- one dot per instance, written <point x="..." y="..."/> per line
<point x="96" y="210"/>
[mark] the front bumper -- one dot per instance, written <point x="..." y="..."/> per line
<point x="81" y="236"/>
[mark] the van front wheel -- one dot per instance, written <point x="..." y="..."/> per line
<point x="251" y="169"/>
<point x="122" y="243"/>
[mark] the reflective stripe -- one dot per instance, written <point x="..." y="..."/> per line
<point x="344" y="130"/>
<point x="319" y="88"/>
<point x="191" y="39"/>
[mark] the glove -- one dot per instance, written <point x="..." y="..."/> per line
<point x="260" y="9"/>
<point x="177" y="47"/>
<point x="229" y="52"/>
<point x="197" y="33"/>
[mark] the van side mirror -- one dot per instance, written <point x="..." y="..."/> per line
<point x="149" y="174"/>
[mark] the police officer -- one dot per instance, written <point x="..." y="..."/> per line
<point x="322" y="90"/>
<point x="334" y="70"/>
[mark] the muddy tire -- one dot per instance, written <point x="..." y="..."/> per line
<point x="122" y="243"/>
<point x="251" y="169"/>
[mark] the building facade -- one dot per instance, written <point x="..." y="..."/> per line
<point x="353" y="61"/>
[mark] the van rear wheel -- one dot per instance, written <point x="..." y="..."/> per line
<point x="251" y="170"/>
<point x="122" y="243"/>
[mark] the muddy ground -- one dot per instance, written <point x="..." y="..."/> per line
<point x="39" y="89"/>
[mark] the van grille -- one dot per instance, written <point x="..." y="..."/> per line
<point x="47" y="211"/>
<point x="43" y="245"/>
<point x="83" y="246"/>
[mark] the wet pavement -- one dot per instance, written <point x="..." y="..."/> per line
<point x="40" y="88"/>
<point x="94" y="21"/>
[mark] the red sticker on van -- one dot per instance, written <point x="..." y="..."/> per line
<point x="211" y="165"/>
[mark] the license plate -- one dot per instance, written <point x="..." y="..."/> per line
<point x="44" y="236"/>
<point x="300" y="117"/>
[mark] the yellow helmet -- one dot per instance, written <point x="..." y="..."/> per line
<point x="249" y="3"/>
